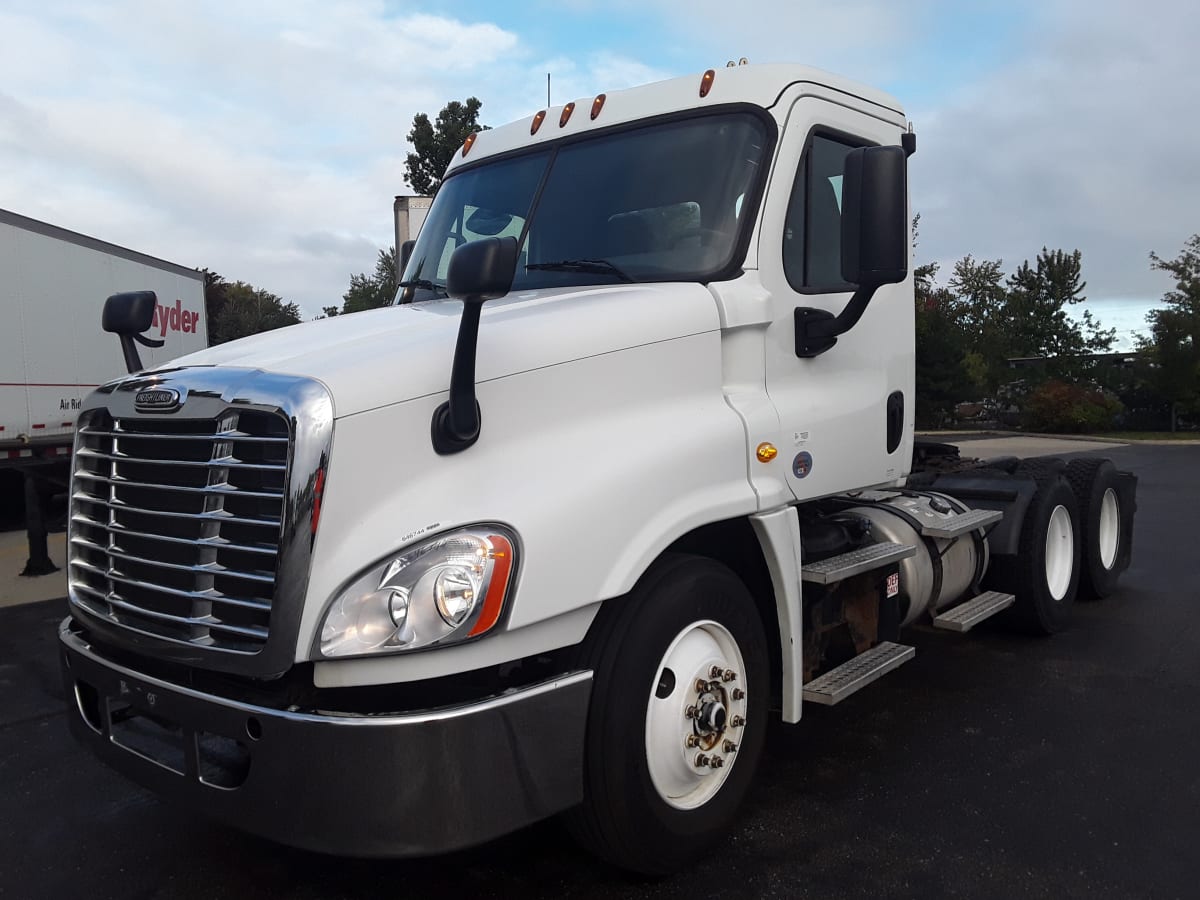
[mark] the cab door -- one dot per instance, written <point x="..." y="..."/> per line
<point x="846" y="414"/>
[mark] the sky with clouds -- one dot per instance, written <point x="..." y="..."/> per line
<point x="265" y="140"/>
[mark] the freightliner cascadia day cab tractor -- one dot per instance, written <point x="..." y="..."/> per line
<point x="627" y="470"/>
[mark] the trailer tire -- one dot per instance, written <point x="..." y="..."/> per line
<point x="1103" y="537"/>
<point x="1044" y="574"/>
<point x="648" y="807"/>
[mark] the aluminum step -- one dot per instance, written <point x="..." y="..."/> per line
<point x="864" y="559"/>
<point x="967" y="615"/>
<point x="853" y="675"/>
<point x="959" y="525"/>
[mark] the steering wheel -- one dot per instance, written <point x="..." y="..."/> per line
<point x="708" y="236"/>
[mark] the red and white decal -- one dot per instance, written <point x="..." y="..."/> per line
<point x="175" y="318"/>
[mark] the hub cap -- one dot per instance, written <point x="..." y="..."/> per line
<point x="1060" y="552"/>
<point x="1110" y="528"/>
<point x="696" y="713"/>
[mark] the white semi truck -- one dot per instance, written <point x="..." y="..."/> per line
<point x="52" y="282"/>
<point x="633" y="472"/>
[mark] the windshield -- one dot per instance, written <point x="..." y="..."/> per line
<point x="663" y="202"/>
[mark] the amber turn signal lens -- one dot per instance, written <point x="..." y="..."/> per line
<point x="597" y="105"/>
<point x="493" y="601"/>
<point x="766" y="452"/>
<point x="566" y="114"/>
<point x="537" y="122"/>
<point x="469" y="142"/>
<point x="706" y="82"/>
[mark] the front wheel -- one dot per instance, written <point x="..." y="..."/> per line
<point x="677" y="717"/>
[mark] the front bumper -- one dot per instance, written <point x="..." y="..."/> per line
<point x="407" y="784"/>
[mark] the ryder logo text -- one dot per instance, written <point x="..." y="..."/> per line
<point x="175" y="318"/>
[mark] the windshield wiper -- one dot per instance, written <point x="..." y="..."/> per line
<point x="424" y="284"/>
<point x="597" y="266"/>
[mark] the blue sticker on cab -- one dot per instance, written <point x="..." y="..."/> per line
<point x="802" y="464"/>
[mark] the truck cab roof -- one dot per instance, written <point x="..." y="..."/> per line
<point x="758" y="85"/>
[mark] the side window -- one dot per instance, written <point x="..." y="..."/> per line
<point x="812" y="234"/>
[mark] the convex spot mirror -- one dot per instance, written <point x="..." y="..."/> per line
<point x="875" y="216"/>
<point x="482" y="270"/>
<point x="129" y="313"/>
<point x="127" y="316"/>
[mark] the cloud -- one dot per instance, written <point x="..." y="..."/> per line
<point x="265" y="143"/>
<point x="265" y="140"/>
<point x="1082" y="139"/>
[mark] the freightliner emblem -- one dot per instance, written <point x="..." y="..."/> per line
<point x="156" y="400"/>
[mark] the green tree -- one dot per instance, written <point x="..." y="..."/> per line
<point x="238" y="309"/>
<point x="977" y="307"/>
<point x="434" y="145"/>
<point x="1174" y="343"/>
<point x="941" y="377"/>
<point x="370" y="291"/>
<point x="1036" y="313"/>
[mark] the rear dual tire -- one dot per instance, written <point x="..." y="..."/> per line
<point x="1044" y="574"/>
<point x="1103" y="526"/>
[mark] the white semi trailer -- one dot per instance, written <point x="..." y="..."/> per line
<point x="400" y="582"/>
<point x="52" y="285"/>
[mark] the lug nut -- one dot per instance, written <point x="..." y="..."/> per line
<point x="737" y="722"/>
<point x="715" y="672"/>
<point x="692" y="741"/>
<point x="701" y="760"/>
<point x="739" y="694"/>
<point x="716" y="762"/>
<point x="701" y="685"/>
<point x="728" y="675"/>
<point x="729" y="747"/>
<point x="692" y="712"/>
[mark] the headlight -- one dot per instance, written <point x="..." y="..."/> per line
<point x="441" y="591"/>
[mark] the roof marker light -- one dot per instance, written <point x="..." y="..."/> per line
<point x="537" y="122"/>
<point x="597" y="105"/>
<point x="566" y="114"/>
<point x="706" y="82"/>
<point x="469" y="142"/>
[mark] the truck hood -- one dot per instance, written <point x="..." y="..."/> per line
<point x="397" y="353"/>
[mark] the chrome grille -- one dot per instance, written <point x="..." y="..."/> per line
<point x="176" y="524"/>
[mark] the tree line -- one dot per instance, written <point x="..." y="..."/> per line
<point x="1010" y="341"/>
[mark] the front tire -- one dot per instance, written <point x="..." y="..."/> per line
<point x="680" y="681"/>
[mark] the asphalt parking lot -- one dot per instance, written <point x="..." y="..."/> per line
<point x="993" y="765"/>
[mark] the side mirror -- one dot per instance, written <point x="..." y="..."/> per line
<point x="479" y="271"/>
<point x="874" y="242"/>
<point x="875" y="216"/>
<point x="406" y="250"/>
<point x="127" y="316"/>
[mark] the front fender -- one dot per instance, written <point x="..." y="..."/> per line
<point x="598" y="464"/>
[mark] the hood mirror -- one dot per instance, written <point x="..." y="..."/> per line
<point x="127" y="315"/>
